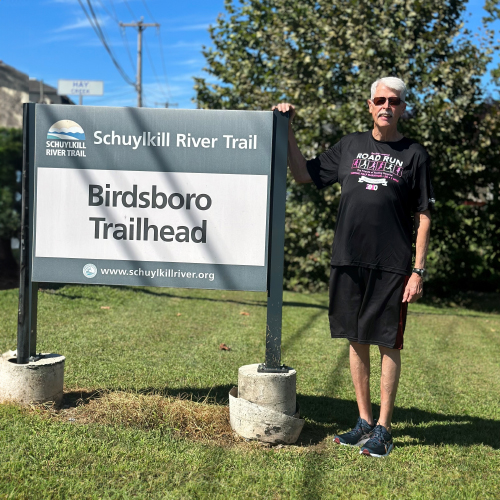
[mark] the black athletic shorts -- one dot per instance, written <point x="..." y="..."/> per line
<point x="366" y="306"/>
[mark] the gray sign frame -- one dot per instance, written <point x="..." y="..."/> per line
<point x="139" y="122"/>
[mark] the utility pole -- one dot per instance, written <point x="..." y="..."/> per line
<point x="167" y="104"/>
<point x="41" y="98"/>
<point x="140" y="28"/>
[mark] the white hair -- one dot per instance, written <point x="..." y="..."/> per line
<point x="393" y="83"/>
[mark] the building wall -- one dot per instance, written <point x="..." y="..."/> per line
<point x="15" y="89"/>
<point x="11" y="107"/>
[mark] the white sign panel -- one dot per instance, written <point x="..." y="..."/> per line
<point x="80" y="87"/>
<point x="151" y="216"/>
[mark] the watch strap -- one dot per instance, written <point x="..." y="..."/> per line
<point x="420" y="272"/>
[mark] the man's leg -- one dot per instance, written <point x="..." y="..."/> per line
<point x="359" y="358"/>
<point x="389" y="380"/>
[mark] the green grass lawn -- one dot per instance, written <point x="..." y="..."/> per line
<point x="146" y="342"/>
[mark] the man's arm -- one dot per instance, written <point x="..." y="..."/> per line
<point x="296" y="160"/>
<point x="415" y="287"/>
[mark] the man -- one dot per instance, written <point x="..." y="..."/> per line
<point x="385" y="179"/>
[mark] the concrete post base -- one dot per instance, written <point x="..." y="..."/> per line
<point x="35" y="382"/>
<point x="276" y="391"/>
<point x="264" y="406"/>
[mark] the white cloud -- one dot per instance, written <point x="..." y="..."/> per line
<point x="119" y="96"/>
<point x="82" y="22"/>
<point x="190" y="27"/>
<point x="59" y="38"/>
<point x="75" y="2"/>
<point x="156" y="95"/>
<point x="198" y="63"/>
<point x="182" y="45"/>
<point x="186" y="77"/>
<point x="95" y="42"/>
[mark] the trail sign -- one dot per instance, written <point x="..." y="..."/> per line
<point x="153" y="197"/>
<point x="156" y="197"/>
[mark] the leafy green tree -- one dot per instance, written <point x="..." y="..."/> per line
<point x="323" y="55"/>
<point x="11" y="155"/>
<point x="492" y="17"/>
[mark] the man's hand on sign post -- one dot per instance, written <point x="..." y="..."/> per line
<point x="283" y="107"/>
<point x="414" y="288"/>
<point x="296" y="160"/>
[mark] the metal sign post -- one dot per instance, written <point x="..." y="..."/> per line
<point x="276" y="246"/>
<point x="28" y="290"/>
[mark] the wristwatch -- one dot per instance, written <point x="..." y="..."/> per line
<point x="421" y="272"/>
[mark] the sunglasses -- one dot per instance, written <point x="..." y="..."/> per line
<point x="393" y="101"/>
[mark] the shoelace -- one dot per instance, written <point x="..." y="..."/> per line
<point x="378" y="434"/>
<point x="358" y="427"/>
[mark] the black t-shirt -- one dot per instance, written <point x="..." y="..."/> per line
<point x="383" y="183"/>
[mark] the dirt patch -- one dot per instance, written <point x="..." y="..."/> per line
<point x="180" y="415"/>
<point x="203" y="420"/>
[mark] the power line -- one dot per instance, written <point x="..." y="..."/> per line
<point x="97" y="28"/>
<point x="140" y="25"/>
<point x="129" y="8"/>
<point x="127" y="46"/>
<point x="162" y="57"/>
<point x="129" y="93"/>
<point x="113" y="16"/>
<point x="114" y="10"/>
<point x="148" y="11"/>
<point x="160" y="45"/>
<point x="167" y="104"/>
<point x="154" y="70"/>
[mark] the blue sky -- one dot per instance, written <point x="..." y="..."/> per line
<point x="52" y="39"/>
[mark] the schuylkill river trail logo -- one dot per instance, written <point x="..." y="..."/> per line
<point x="66" y="130"/>
<point x="65" y="138"/>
